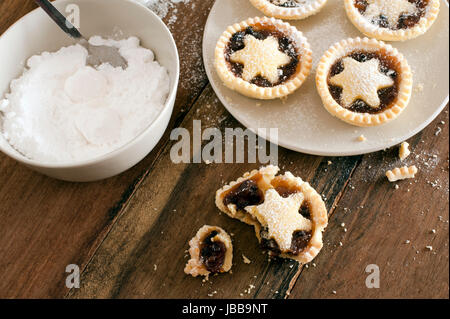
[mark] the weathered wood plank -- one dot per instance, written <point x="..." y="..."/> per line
<point x="46" y="224"/>
<point x="173" y="202"/>
<point x="381" y="219"/>
<point x="12" y="10"/>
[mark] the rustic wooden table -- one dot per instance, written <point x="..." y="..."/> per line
<point x="128" y="234"/>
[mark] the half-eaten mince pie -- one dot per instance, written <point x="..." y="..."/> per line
<point x="364" y="82"/>
<point x="263" y="58"/>
<point x="289" y="9"/>
<point x="392" y="20"/>
<point x="211" y="252"/>
<point x="288" y="215"/>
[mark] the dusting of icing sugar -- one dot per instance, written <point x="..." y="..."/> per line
<point x="61" y="110"/>
<point x="389" y="9"/>
<point x="261" y="57"/>
<point x="361" y="80"/>
<point x="281" y="216"/>
<point x="164" y="8"/>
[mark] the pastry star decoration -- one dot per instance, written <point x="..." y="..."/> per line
<point x="390" y="9"/>
<point x="260" y="57"/>
<point x="281" y="216"/>
<point x="361" y="80"/>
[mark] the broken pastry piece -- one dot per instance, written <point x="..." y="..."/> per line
<point x="211" y="252"/>
<point x="401" y="173"/>
<point x="404" y="151"/>
<point x="288" y="215"/>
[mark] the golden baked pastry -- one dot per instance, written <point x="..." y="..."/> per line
<point x="288" y="215"/>
<point x="364" y="82"/>
<point x="263" y="58"/>
<point x="289" y="9"/>
<point x="211" y="252"/>
<point x="392" y="20"/>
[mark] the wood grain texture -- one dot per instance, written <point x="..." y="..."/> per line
<point x="173" y="202"/>
<point x="47" y="224"/>
<point x="380" y="219"/>
<point x="12" y="10"/>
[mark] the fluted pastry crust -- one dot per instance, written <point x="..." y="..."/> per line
<point x="266" y="180"/>
<point x="303" y="11"/>
<point x="341" y="49"/>
<point x="386" y="34"/>
<point x="249" y="89"/>
<point x="401" y="173"/>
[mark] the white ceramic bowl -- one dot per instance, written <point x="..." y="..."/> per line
<point x="36" y="32"/>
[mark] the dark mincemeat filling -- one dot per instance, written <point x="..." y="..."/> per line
<point x="288" y="191"/>
<point x="245" y="194"/>
<point x="388" y="66"/>
<point x="404" y="21"/>
<point x="286" y="45"/>
<point x="285" y="191"/>
<point x="287" y="4"/>
<point x="212" y="253"/>
<point x="300" y="240"/>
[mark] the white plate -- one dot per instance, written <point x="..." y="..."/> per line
<point x="303" y="123"/>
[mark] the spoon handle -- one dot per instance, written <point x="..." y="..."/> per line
<point x="60" y="20"/>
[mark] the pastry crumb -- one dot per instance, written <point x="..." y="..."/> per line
<point x="404" y="151"/>
<point x="418" y="87"/>
<point x="245" y="259"/>
<point x="430" y="248"/>
<point x="362" y="138"/>
<point x="249" y="289"/>
<point x="155" y="267"/>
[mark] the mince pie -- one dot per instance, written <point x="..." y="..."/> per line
<point x="211" y="252"/>
<point x="263" y="58"/>
<point x="289" y="9"/>
<point x="392" y="20"/>
<point x="364" y="82"/>
<point x="288" y="215"/>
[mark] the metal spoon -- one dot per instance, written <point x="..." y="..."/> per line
<point x="98" y="54"/>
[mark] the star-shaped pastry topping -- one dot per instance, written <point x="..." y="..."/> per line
<point x="390" y="9"/>
<point x="281" y="216"/>
<point x="260" y="57"/>
<point x="361" y="80"/>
